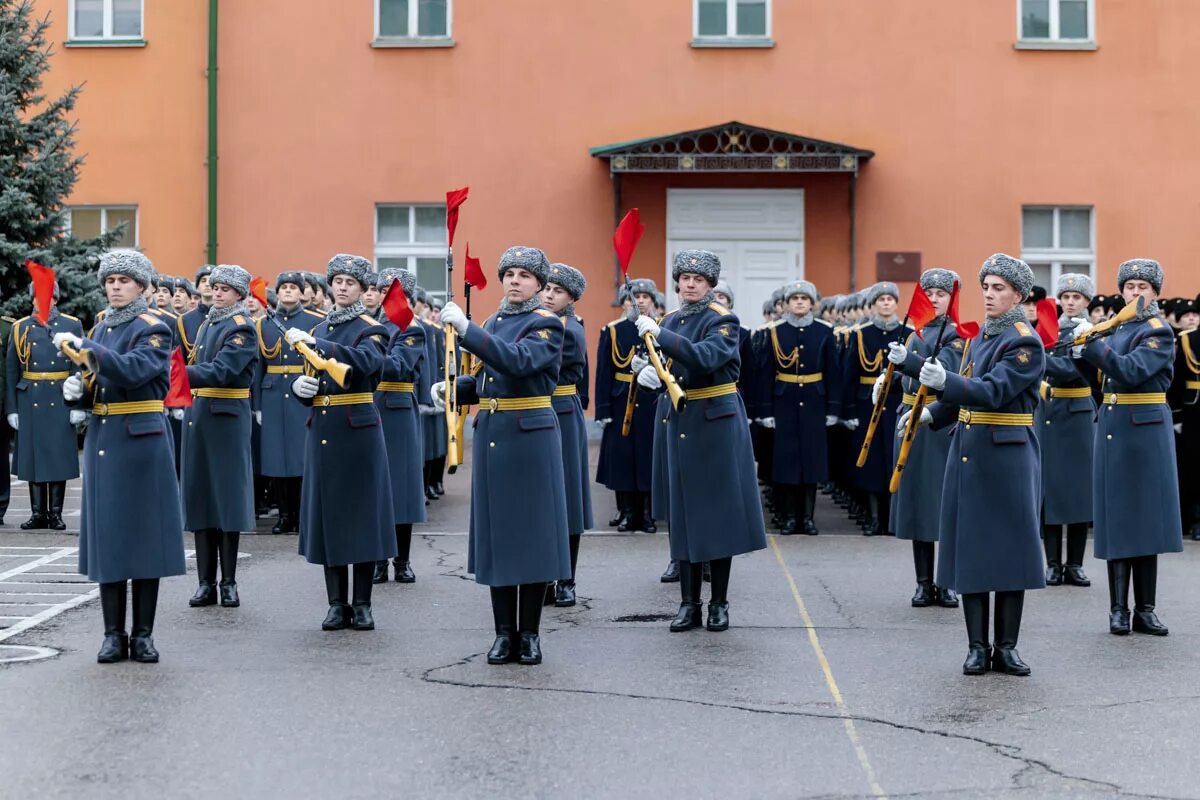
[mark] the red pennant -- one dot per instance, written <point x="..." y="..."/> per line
<point x="966" y="330"/>
<point x="258" y="290"/>
<point x="627" y="236"/>
<point x="395" y="305"/>
<point x="43" y="290"/>
<point x="1047" y="321"/>
<point x="180" y="393"/>
<point x="920" y="310"/>
<point x="454" y="199"/>
<point x="474" y="271"/>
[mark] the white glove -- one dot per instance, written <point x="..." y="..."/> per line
<point x="72" y="388"/>
<point x="933" y="375"/>
<point x="924" y="419"/>
<point x="176" y="413"/>
<point x="877" y="389"/>
<point x="603" y="422"/>
<point x="305" y="386"/>
<point x="437" y="393"/>
<point x="645" y="325"/>
<point x="648" y="377"/>
<point x="1082" y="328"/>
<point x="13" y="421"/>
<point x="830" y="421"/>
<point x="850" y="424"/>
<point x="1178" y="426"/>
<point x="638" y="363"/>
<point x="453" y="315"/>
<point x="77" y="416"/>
<point x="426" y="410"/>
<point x="295" y="335"/>
<point x="69" y="338"/>
<point x="258" y="417"/>
<point x="897" y="353"/>
<point x="767" y="422"/>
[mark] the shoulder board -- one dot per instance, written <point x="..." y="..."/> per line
<point x="68" y="316"/>
<point x="669" y="313"/>
<point x="22" y="319"/>
<point x="150" y="319"/>
<point x="1022" y="329"/>
<point x="239" y="319"/>
<point x="824" y="322"/>
<point x="315" y="311"/>
<point x="720" y="309"/>
<point x="543" y="312"/>
<point x="367" y="318"/>
<point x="9" y="320"/>
<point x="1155" y="322"/>
<point x="615" y="322"/>
<point x="100" y="314"/>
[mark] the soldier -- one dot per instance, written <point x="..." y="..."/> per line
<point x="563" y="289"/>
<point x="515" y="548"/>
<point x="6" y="433"/>
<point x="1067" y="429"/>
<point x="164" y="289"/>
<point x="372" y="298"/>
<point x="395" y="397"/>
<point x="747" y="380"/>
<point x="131" y="458"/>
<point x="433" y="426"/>
<point x="189" y="323"/>
<point x="917" y="501"/>
<point x="1135" y="451"/>
<point x="1185" y="405"/>
<point x="346" y="510"/>
<point x="280" y="415"/>
<point x="994" y="453"/>
<point x="47" y="454"/>
<point x="217" y="475"/>
<point x="181" y="296"/>
<point x="798" y="404"/>
<point x="713" y="497"/>
<point x="625" y="461"/>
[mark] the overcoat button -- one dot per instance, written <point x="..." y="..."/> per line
<point x="964" y="459"/>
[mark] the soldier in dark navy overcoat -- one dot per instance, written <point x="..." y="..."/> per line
<point x="47" y="452"/>
<point x="188" y="324"/>
<point x="990" y="529"/>
<point x="433" y="426"/>
<point x="1134" y="489"/>
<point x="517" y="545"/>
<point x="1185" y="405"/>
<point x="217" y="476"/>
<point x="713" y="498"/>
<point x="346" y="510"/>
<point x="130" y="528"/>
<point x="280" y="415"/>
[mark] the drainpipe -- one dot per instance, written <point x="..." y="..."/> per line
<point x="212" y="131"/>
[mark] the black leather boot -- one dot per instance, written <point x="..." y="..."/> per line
<point x="616" y="520"/>
<point x="362" y="619"/>
<point x="946" y="598"/>
<point x="56" y="495"/>
<point x="872" y="524"/>
<point x="1052" y="543"/>
<point x="206" y="568"/>
<point x="1073" y="573"/>
<point x="228" y="550"/>
<point x="529" y="623"/>
<point x="648" y="525"/>
<point x="505" y="649"/>
<point x="548" y="598"/>
<point x="718" y="606"/>
<point x="1118" y="596"/>
<point x="404" y="571"/>
<point x="923" y="565"/>
<point x="1145" y="588"/>
<point x="564" y="594"/>
<point x="690" y="613"/>
<point x="975" y="612"/>
<point x="1005" y="658"/>
<point x="381" y="573"/>
<point x="671" y="573"/>
<point x="401" y="563"/>
<point x="37" y="516"/>
<point x="112" y="606"/>
<point x="145" y="603"/>
<point x="337" y="589"/>
<point x="632" y="521"/>
<point x="807" y="526"/>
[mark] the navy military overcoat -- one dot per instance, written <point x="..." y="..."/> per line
<point x="1066" y="426"/>
<point x="281" y="442"/>
<point x="401" y="424"/>
<point x="864" y="358"/>
<point x="626" y="462"/>
<point x="573" y="428"/>
<point x="433" y="426"/>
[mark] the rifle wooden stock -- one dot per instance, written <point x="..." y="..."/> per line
<point x="876" y="415"/>
<point x="1127" y="314"/>
<point x="630" y="400"/>
<point x="332" y="367"/>
<point x="86" y="359"/>
<point x="453" y="426"/>
<point x="910" y="433"/>
<point x="678" y="398"/>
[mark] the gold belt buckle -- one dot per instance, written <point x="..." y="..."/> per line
<point x="1112" y="399"/>
<point x="100" y="408"/>
<point x="967" y="420"/>
<point x="492" y="404"/>
<point x="324" y="401"/>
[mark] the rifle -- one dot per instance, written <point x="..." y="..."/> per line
<point x="630" y="401"/>
<point x="86" y="359"/>
<point x="450" y="376"/>
<point x="877" y="411"/>
<point x="339" y="372"/>
<point x="910" y="430"/>
<point x="465" y="368"/>
<point x="1129" y="313"/>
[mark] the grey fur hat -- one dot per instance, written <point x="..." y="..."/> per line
<point x="356" y="267"/>
<point x="805" y="288"/>
<point x="202" y="271"/>
<point x="437" y="302"/>
<point x="777" y="296"/>
<point x="530" y="259"/>
<point x="642" y="286"/>
<point x="768" y="307"/>
<point x="938" y="278"/>
<point x="293" y="277"/>
<point x="1014" y="270"/>
<point x="724" y="288"/>
<point x="880" y="289"/>
<point x="660" y="299"/>
<point x="1075" y="282"/>
<point x="700" y="262"/>
<point x="232" y="276"/>
<point x="130" y="263"/>
<point x="568" y="278"/>
<point x="1142" y="269"/>
<point x="408" y="281"/>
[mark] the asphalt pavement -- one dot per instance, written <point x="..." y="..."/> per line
<point x="828" y="685"/>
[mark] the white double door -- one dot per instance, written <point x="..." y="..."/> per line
<point x="757" y="233"/>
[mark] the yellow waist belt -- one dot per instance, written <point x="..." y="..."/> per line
<point x="351" y="399"/>
<point x="1192" y="385"/>
<point x="395" y="386"/>
<point x="131" y="407"/>
<point x="624" y="377"/>
<point x="909" y="399"/>
<point x="222" y="394"/>
<point x="566" y="391"/>
<point x="1143" y="399"/>
<point x="495" y="404"/>
<point x="868" y="380"/>
<point x="813" y="377"/>
<point x="994" y="418"/>
<point x="45" y="376"/>
<point x="708" y="392"/>
<point x="1049" y="392"/>
<point x="285" y="369"/>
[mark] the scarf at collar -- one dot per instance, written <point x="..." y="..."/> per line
<point x="509" y="309"/>
<point x="340" y="315"/>
<point x="885" y="325"/>
<point x="995" y="325"/>
<point x="568" y="312"/>
<point x="1151" y="310"/>
<point x="688" y="309"/>
<point x="217" y="314"/>
<point x="798" y="322"/>
<point x="119" y="316"/>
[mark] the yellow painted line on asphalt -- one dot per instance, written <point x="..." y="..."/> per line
<point x="830" y="682"/>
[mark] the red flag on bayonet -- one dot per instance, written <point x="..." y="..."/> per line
<point x="1047" y="321"/>
<point x="396" y="306"/>
<point x="179" y="395"/>
<point x="920" y="310"/>
<point x="966" y="330"/>
<point x="454" y="199"/>
<point x="474" y="271"/>
<point x="258" y="290"/>
<point x="43" y="290"/>
<point x="627" y="236"/>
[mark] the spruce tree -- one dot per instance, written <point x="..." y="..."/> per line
<point x="38" y="169"/>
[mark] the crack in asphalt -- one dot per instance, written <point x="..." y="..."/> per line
<point x="851" y="624"/>
<point x="443" y="556"/>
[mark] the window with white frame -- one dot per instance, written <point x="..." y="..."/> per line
<point x="88" y="222"/>
<point x="1056" y="20"/>
<point x="731" y="19"/>
<point x="1058" y="239"/>
<point x="105" y="20"/>
<point x="413" y="237"/>
<point x="413" y="19"/>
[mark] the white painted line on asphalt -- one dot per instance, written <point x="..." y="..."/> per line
<point x="49" y="613"/>
<point x="62" y="552"/>
<point x="13" y="653"/>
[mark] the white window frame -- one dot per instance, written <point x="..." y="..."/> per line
<point x="730" y="25"/>
<point x="1054" y="36"/>
<point x="410" y="250"/>
<point x="413" y="28"/>
<point x="1061" y="259"/>
<point x="107" y="35"/>
<point x="104" y="209"/>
